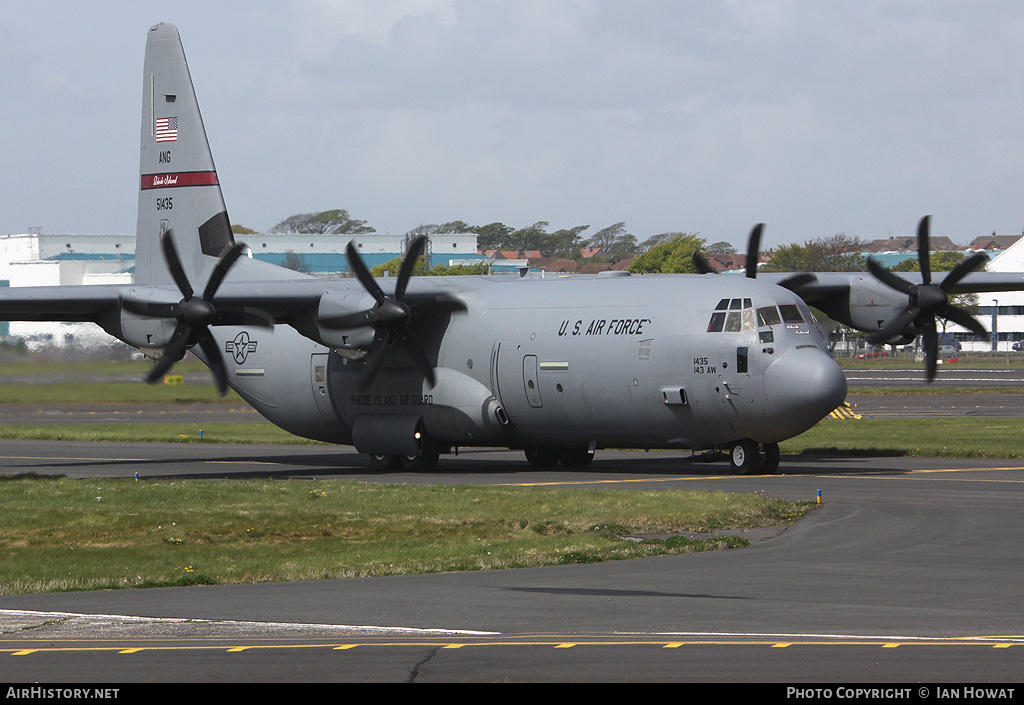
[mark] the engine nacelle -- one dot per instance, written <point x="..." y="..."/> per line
<point x="462" y="410"/>
<point x="349" y="342"/>
<point x="141" y="331"/>
<point x="868" y="305"/>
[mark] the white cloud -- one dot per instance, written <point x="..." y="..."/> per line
<point x="709" y="116"/>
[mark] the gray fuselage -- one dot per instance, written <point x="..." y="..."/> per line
<point x="656" y="361"/>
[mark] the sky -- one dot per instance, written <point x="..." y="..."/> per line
<point x="698" y="116"/>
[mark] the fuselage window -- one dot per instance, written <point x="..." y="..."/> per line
<point x="790" y="313"/>
<point x="768" y="316"/>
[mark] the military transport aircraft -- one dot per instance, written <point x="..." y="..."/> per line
<point x="408" y="368"/>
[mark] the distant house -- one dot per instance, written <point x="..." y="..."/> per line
<point x="623" y="264"/>
<point x="727" y="261"/>
<point x="993" y="242"/>
<point x="562" y="265"/>
<point x="909" y="244"/>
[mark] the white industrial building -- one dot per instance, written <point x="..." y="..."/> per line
<point x="37" y="259"/>
<point x="1002" y="311"/>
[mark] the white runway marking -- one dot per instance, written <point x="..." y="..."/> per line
<point x="14" y="616"/>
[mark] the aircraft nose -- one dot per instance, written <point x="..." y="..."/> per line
<point x="803" y="386"/>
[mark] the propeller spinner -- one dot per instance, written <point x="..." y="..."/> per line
<point x="195" y="314"/>
<point x="927" y="300"/>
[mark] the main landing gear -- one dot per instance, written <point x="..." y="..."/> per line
<point x="426" y="461"/>
<point x="749" y="457"/>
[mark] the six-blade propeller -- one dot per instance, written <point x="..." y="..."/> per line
<point x="927" y="300"/>
<point x="389" y="316"/>
<point x="195" y="314"/>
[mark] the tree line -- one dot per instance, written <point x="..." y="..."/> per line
<point x="615" y="241"/>
<point x="669" y="252"/>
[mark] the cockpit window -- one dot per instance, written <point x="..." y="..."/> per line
<point x="717" y="322"/>
<point x="748" y="318"/>
<point x="732" y="322"/>
<point x="722" y="305"/>
<point x="768" y="316"/>
<point x="791" y="313"/>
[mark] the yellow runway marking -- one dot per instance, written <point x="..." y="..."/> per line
<point x="1002" y="643"/>
<point x="899" y="475"/>
<point x="625" y="482"/>
<point x="844" y="412"/>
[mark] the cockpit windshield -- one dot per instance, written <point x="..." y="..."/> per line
<point x="739" y="315"/>
<point x="732" y="316"/>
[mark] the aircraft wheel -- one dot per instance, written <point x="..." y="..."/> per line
<point x="745" y="457"/>
<point x="576" y="457"/>
<point x="385" y="463"/>
<point x="541" y="457"/>
<point x="769" y="458"/>
<point x="426" y="461"/>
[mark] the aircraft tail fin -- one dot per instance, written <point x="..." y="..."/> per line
<point x="179" y="189"/>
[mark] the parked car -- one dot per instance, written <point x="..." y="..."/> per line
<point x="871" y="355"/>
<point x="1018" y="346"/>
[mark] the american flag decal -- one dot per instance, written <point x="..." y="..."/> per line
<point x="167" y="129"/>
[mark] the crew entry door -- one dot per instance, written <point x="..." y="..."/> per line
<point x="321" y="390"/>
<point x="531" y="382"/>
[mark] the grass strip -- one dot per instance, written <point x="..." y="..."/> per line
<point x="221" y="432"/>
<point x="941" y="437"/>
<point x="114" y="393"/>
<point x="929" y="390"/>
<point x="62" y="534"/>
<point x="38" y="365"/>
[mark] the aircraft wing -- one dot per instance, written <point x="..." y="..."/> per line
<point x="828" y="285"/>
<point x="297" y="302"/>
<point x="59" y="303"/>
<point x="281" y="300"/>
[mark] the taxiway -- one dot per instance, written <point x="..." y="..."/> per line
<point x="909" y="570"/>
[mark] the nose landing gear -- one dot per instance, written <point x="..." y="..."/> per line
<point x="749" y="457"/>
